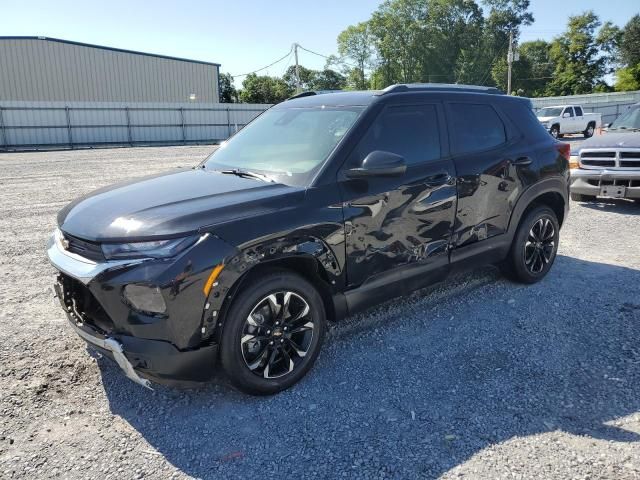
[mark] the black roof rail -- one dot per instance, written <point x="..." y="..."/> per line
<point x="310" y="93"/>
<point x="439" y="87"/>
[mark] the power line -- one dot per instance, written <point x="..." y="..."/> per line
<point x="268" y="66"/>
<point x="325" y="56"/>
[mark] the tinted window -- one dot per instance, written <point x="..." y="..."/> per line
<point x="569" y="110"/>
<point x="475" y="127"/>
<point x="409" y="131"/>
<point x="578" y="111"/>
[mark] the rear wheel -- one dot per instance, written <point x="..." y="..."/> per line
<point x="534" y="246"/>
<point x="588" y="133"/>
<point x="273" y="333"/>
<point x="578" y="197"/>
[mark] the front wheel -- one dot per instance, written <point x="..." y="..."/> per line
<point x="273" y="333"/>
<point x="534" y="246"/>
<point x="555" y="131"/>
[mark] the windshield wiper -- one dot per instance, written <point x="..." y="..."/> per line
<point x="247" y="174"/>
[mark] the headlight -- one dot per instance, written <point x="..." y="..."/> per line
<point x="153" y="249"/>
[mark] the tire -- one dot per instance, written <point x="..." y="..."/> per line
<point x="555" y="131"/>
<point x="578" y="197"/>
<point x="257" y="354"/>
<point x="591" y="128"/>
<point x="529" y="260"/>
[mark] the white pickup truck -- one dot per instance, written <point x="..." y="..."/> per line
<point x="565" y="119"/>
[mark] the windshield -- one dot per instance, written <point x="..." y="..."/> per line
<point x="550" y="112"/>
<point x="627" y="121"/>
<point x="286" y="144"/>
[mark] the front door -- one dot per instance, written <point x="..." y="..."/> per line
<point x="396" y="223"/>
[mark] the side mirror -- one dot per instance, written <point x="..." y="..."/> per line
<point x="565" y="115"/>
<point x="379" y="164"/>
<point x="606" y="125"/>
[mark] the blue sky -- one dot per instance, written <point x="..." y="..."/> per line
<point x="242" y="35"/>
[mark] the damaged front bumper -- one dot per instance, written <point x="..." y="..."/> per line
<point x="167" y="348"/>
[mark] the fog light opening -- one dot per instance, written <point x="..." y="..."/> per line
<point x="145" y="298"/>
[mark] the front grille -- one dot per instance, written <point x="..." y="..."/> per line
<point x="84" y="248"/>
<point x="630" y="163"/>
<point x="599" y="163"/>
<point x="610" y="158"/>
<point x="599" y="154"/>
<point x="81" y="303"/>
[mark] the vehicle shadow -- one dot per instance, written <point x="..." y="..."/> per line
<point x="613" y="205"/>
<point x="416" y="387"/>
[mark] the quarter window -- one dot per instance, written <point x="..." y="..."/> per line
<point x="475" y="127"/>
<point x="409" y="131"/>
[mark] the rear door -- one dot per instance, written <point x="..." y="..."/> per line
<point x="491" y="172"/>
<point x="580" y="122"/>
<point x="393" y="223"/>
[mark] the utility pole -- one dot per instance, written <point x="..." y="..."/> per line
<point x="298" y="86"/>
<point x="509" y="62"/>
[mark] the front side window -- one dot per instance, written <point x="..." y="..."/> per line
<point x="286" y="144"/>
<point x="475" y="127"/>
<point x="569" y="110"/>
<point x="409" y="131"/>
<point x="549" y="112"/>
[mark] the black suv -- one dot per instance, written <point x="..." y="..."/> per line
<point x="324" y="205"/>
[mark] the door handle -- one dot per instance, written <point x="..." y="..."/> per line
<point x="438" y="180"/>
<point x="522" y="161"/>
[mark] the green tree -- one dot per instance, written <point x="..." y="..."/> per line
<point x="355" y="45"/>
<point x="628" y="79"/>
<point x="329" y="79"/>
<point x="630" y="42"/>
<point x="326" y="79"/>
<point x="609" y="39"/>
<point x="264" y="89"/>
<point x="306" y="77"/>
<point x="228" y="92"/>
<point x="576" y="54"/>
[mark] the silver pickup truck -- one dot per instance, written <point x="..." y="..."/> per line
<point x="609" y="165"/>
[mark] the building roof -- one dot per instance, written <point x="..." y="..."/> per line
<point x="113" y="49"/>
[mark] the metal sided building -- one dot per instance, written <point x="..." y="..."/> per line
<point x="41" y="69"/>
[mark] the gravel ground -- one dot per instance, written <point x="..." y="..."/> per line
<point x="474" y="378"/>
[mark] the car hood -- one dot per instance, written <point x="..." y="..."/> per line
<point x="613" y="140"/>
<point x="545" y="119"/>
<point x="172" y="204"/>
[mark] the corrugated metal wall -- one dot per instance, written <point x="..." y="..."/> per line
<point x="68" y="124"/>
<point x="33" y="69"/>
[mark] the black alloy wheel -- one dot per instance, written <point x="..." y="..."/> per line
<point x="272" y="333"/>
<point x="277" y="334"/>
<point x="540" y="245"/>
<point x="534" y="246"/>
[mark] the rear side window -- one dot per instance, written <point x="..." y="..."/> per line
<point x="475" y="127"/>
<point x="409" y="131"/>
<point x="578" y="111"/>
